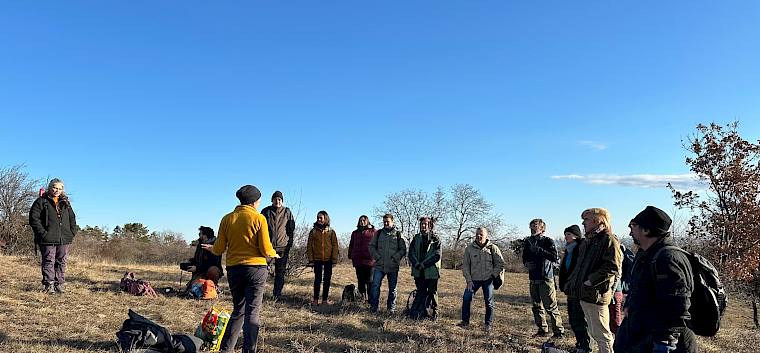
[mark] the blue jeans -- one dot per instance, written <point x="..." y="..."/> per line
<point x="487" y="286"/>
<point x="377" y="280"/>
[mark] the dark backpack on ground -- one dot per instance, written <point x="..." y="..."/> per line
<point x="708" y="299"/>
<point x="134" y="286"/>
<point x="350" y="294"/>
<point x="139" y="334"/>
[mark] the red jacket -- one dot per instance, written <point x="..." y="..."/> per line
<point x="358" y="248"/>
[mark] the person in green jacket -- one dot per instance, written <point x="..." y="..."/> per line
<point x="387" y="248"/>
<point x="425" y="259"/>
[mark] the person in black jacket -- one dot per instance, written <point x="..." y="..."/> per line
<point x="657" y="306"/>
<point x="54" y="225"/>
<point x="204" y="263"/>
<point x="539" y="256"/>
<point x="281" y="226"/>
<point x="573" y="240"/>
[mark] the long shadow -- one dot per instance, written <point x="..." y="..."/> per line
<point x="75" y="343"/>
<point x="512" y="299"/>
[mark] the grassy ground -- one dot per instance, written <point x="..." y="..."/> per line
<point x="86" y="318"/>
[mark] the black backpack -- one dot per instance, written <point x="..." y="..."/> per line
<point x="350" y="294"/>
<point x="139" y="334"/>
<point x="708" y="299"/>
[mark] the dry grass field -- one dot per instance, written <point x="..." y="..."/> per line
<point x="87" y="316"/>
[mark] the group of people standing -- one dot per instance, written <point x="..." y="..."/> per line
<point x="590" y="270"/>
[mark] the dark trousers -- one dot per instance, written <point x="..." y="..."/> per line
<point x="578" y="324"/>
<point x="280" y="267"/>
<point x="364" y="277"/>
<point x="54" y="263"/>
<point x="487" y="286"/>
<point x="247" y="287"/>
<point x="426" y="298"/>
<point x="322" y="268"/>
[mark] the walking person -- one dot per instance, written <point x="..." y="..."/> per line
<point x="387" y="248"/>
<point x="425" y="259"/>
<point x="482" y="263"/>
<point x="244" y="236"/>
<point x="358" y="252"/>
<point x="54" y="226"/>
<point x="282" y="226"/>
<point x="593" y="279"/>
<point x="539" y="256"/>
<point x="573" y="239"/>
<point x="322" y="251"/>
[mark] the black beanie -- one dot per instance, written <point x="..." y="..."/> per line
<point x="575" y="230"/>
<point x="278" y="193"/>
<point x="248" y="194"/>
<point x="652" y="218"/>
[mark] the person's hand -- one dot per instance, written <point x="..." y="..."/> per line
<point x="534" y="248"/>
<point x="419" y="266"/>
<point x="587" y="283"/>
<point x="192" y="268"/>
<point x="276" y="256"/>
<point x="207" y="246"/>
<point x="469" y="286"/>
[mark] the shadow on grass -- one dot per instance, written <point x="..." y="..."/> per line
<point x="82" y="344"/>
<point x="513" y="299"/>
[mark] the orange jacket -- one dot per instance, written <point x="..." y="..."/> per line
<point x="322" y="245"/>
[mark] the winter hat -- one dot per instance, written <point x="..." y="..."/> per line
<point x="575" y="230"/>
<point x="654" y="219"/>
<point x="248" y="194"/>
<point x="278" y="193"/>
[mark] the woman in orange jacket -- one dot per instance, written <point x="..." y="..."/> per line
<point x="322" y="251"/>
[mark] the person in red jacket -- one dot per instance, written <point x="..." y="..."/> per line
<point x="358" y="252"/>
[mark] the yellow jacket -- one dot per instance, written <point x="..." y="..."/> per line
<point x="322" y="245"/>
<point x="244" y="235"/>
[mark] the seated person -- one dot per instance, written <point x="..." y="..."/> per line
<point x="204" y="264"/>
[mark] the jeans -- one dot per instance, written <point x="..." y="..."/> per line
<point x="487" y="286"/>
<point x="54" y="263"/>
<point x="320" y="268"/>
<point x="377" y="280"/>
<point x="364" y="279"/>
<point x="247" y="287"/>
<point x="280" y="267"/>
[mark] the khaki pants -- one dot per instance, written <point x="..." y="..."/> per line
<point x="598" y="319"/>
<point x="544" y="297"/>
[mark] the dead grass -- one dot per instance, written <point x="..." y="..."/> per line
<point x="86" y="318"/>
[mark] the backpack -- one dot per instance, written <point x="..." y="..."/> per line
<point x="549" y="347"/>
<point x="497" y="280"/>
<point x="627" y="268"/>
<point x="350" y="294"/>
<point x="708" y="299"/>
<point x="134" y="286"/>
<point x="139" y="334"/>
<point x="203" y="289"/>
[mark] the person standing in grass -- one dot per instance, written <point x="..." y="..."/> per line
<point x="482" y="263"/>
<point x="573" y="239"/>
<point x="539" y="256"/>
<point x="387" y="248"/>
<point x="358" y="252"/>
<point x="425" y="259"/>
<point x="282" y="226"/>
<point x="322" y="251"/>
<point x="244" y="236"/>
<point x="54" y="226"/>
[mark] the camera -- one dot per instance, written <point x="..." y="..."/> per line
<point x="184" y="266"/>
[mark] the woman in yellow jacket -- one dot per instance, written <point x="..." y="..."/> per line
<point x="322" y="251"/>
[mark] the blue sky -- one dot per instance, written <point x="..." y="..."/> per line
<point x="156" y="112"/>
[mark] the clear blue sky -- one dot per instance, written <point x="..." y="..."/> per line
<point x="156" y="112"/>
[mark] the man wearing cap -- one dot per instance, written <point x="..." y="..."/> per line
<point x="244" y="235"/>
<point x="657" y="306"/>
<point x="573" y="240"/>
<point x="539" y="256"/>
<point x="282" y="225"/>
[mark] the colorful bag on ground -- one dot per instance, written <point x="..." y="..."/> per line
<point x="134" y="286"/>
<point x="203" y="289"/>
<point x="211" y="330"/>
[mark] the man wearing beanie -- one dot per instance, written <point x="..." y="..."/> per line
<point x="244" y="236"/>
<point x="658" y="302"/>
<point x="282" y="225"/>
<point x="539" y="256"/>
<point x="573" y="240"/>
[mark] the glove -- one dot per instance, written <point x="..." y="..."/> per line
<point x="662" y="347"/>
<point x="535" y="249"/>
<point x="419" y="266"/>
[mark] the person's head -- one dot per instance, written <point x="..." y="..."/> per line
<point x="595" y="219"/>
<point x="388" y="221"/>
<point x="649" y="225"/>
<point x="572" y="233"/>
<point x="249" y="195"/>
<point x="214" y="273"/>
<point x="481" y="235"/>
<point x="277" y="199"/>
<point x="55" y="187"/>
<point x="363" y="222"/>
<point x="426" y="225"/>
<point x="204" y="233"/>
<point x="537" y="226"/>
<point x="323" y="218"/>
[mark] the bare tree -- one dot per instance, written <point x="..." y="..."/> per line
<point x="468" y="211"/>
<point x="17" y="193"/>
<point x="407" y="206"/>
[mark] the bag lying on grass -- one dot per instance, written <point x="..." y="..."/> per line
<point x="139" y="334"/>
<point x="204" y="289"/>
<point x="211" y="330"/>
<point x="136" y="286"/>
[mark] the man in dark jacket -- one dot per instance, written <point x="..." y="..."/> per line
<point x="658" y="302"/>
<point x="281" y="225"/>
<point x="539" y="256"/>
<point x="204" y="263"/>
<point x="573" y="240"/>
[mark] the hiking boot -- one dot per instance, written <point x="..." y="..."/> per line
<point x="541" y="333"/>
<point x="59" y="288"/>
<point x="48" y="288"/>
<point x="463" y="324"/>
<point x="314" y="302"/>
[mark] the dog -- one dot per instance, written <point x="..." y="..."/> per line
<point x="350" y="294"/>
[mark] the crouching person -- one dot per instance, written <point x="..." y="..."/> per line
<point x="425" y="259"/>
<point x="481" y="264"/>
<point x="204" y="264"/>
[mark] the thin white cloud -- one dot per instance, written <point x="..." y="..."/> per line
<point x="679" y="181"/>
<point x="593" y="144"/>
